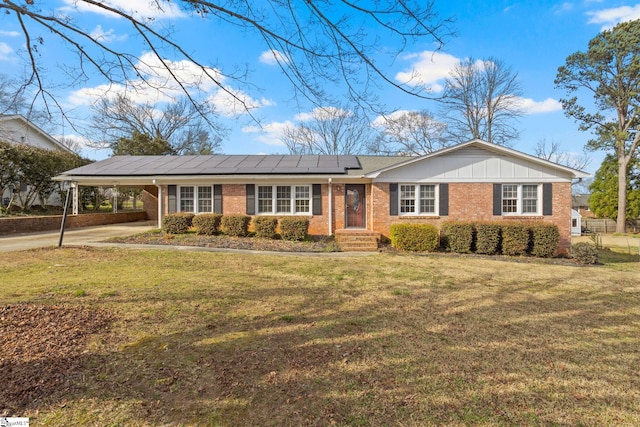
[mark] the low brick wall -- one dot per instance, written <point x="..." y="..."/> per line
<point x="47" y="223"/>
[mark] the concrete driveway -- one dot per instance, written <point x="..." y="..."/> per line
<point x="72" y="236"/>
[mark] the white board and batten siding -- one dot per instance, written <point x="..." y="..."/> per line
<point x="474" y="164"/>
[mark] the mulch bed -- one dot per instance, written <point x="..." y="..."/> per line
<point x="41" y="350"/>
<point x="313" y="244"/>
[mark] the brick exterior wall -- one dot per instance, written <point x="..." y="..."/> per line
<point x="150" y="201"/>
<point x="474" y="202"/>
<point x="53" y="222"/>
<point x="467" y="202"/>
<point x="234" y="203"/>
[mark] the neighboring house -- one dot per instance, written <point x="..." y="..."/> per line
<point x="475" y="180"/>
<point x="580" y="202"/>
<point x="15" y="129"/>
<point x="576" y="223"/>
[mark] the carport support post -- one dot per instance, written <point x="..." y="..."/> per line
<point x="64" y="212"/>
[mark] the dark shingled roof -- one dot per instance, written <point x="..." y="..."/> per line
<point x="218" y="165"/>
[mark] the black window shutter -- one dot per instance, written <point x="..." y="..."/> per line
<point x="444" y="199"/>
<point x="172" y="206"/>
<point x="317" y="199"/>
<point x="393" y="199"/>
<point x="217" y="198"/>
<point x="497" y="199"/>
<point x="547" y="199"/>
<point x="251" y="199"/>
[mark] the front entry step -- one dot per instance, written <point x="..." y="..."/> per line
<point x="357" y="240"/>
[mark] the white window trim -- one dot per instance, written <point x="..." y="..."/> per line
<point x="520" y="200"/>
<point x="436" y="207"/>
<point x="195" y="198"/>
<point x="292" y="200"/>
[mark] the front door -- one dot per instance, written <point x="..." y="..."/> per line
<point x="355" y="206"/>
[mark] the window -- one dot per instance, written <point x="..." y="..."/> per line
<point x="530" y="199"/>
<point x="509" y="198"/>
<point x="265" y="199"/>
<point x="196" y="199"/>
<point x="418" y="199"/>
<point x="520" y="199"/>
<point x="284" y="199"/>
<point x="303" y="199"/>
<point x="186" y="199"/>
<point x="205" y="199"/>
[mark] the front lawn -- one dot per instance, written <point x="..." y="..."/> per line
<point x="196" y="338"/>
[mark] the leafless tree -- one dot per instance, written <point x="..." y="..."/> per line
<point x="329" y="130"/>
<point x="554" y="152"/>
<point x="481" y="100"/>
<point x="315" y="43"/>
<point x="409" y="133"/>
<point x="14" y="101"/>
<point x="179" y="123"/>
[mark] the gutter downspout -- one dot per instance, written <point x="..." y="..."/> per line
<point x="330" y="208"/>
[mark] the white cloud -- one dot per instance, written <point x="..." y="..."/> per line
<point x="80" y="141"/>
<point x="140" y="9"/>
<point x="269" y="133"/>
<point x="562" y="8"/>
<point x="159" y="86"/>
<point x="322" y="113"/>
<point x="5" y="52"/>
<point x="272" y="57"/>
<point x="9" y="33"/>
<point x="232" y="102"/>
<point x="611" y="17"/>
<point x="140" y="95"/>
<point x="106" y="36"/>
<point x="529" y="106"/>
<point x="381" y="121"/>
<point x="428" y="69"/>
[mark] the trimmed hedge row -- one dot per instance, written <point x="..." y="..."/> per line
<point x="291" y="228"/>
<point x="514" y="239"/>
<point x="414" y="237"/>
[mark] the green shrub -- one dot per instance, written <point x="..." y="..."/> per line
<point x="515" y="239"/>
<point x="457" y="236"/>
<point x="488" y="237"/>
<point x="265" y="226"/>
<point x="207" y="224"/>
<point x="294" y="228"/>
<point x="585" y="253"/>
<point x="235" y="225"/>
<point x="177" y="223"/>
<point x="544" y="240"/>
<point x="414" y="237"/>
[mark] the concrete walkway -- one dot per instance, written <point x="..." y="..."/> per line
<point x="72" y="236"/>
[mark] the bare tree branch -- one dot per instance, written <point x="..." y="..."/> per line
<point x="480" y="101"/>
<point x="329" y="130"/>
<point x="317" y="40"/>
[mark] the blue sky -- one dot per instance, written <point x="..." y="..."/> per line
<point x="533" y="38"/>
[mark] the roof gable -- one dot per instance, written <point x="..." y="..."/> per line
<point x="475" y="161"/>
<point x="18" y="130"/>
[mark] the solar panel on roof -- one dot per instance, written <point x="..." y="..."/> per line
<point x="218" y="165"/>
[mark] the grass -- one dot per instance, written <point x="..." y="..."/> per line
<point x="215" y="339"/>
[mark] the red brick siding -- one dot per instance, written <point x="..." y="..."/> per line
<point x="150" y="202"/>
<point x="474" y="202"/>
<point x="48" y="223"/>
<point x="234" y="203"/>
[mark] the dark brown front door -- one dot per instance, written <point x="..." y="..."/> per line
<point x="355" y="206"/>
